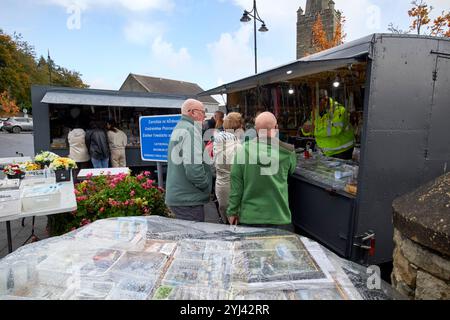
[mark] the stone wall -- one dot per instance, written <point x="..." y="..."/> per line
<point x="305" y="23"/>
<point x="418" y="272"/>
<point x="422" y="242"/>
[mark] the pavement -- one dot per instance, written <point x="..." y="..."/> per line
<point x="11" y="143"/>
<point x="23" y="143"/>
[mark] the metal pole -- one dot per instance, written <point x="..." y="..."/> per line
<point x="8" y="231"/>
<point x="159" y="167"/>
<point x="254" y="32"/>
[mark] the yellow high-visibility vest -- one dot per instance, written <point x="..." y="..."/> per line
<point x="333" y="132"/>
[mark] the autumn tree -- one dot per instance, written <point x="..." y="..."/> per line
<point x="441" y="25"/>
<point x="420" y="24"/>
<point x="19" y="70"/>
<point x="8" y="106"/>
<point x="320" y="40"/>
<point x="420" y="13"/>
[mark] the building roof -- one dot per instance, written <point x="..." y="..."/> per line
<point x="91" y="97"/>
<point x="168" y="86"/>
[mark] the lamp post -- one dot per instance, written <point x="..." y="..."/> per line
<point x="247" y="17"/>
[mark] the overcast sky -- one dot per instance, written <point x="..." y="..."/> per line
<point x="199" y="41"/>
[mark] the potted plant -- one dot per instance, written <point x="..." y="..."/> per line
<point x="45" y="158"/>
<point x="14" y="171"/>
<point x="63" y="168"/>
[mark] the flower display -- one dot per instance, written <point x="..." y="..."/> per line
<point x="31" y="166"/>
<point x="45" y="157"/>
<point x="63" y="164"/>
<point x="109" y="196"/>
<point x="14" y="169"/>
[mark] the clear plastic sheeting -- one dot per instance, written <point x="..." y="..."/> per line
<point x="166" y="259"/>
<point x="330" y="172"/>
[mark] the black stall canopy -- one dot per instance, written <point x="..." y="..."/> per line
<point x="110" y="98"/>
<point x="345" y="55"/>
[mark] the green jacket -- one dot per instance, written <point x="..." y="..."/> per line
<point x="259" y="195"/>
<point x="189" y="179"/>
<point x="333" y="132"/>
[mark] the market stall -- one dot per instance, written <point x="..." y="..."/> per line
<point x="161" y="258"/>
<point x="395" y="91"/>
<point x="58" y="110"/>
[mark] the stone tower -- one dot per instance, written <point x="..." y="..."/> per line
<point x="305" y="22"/>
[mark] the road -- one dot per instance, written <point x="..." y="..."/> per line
<point x="11" y="143"/>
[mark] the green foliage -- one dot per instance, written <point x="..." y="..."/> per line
<point x="111" y="196"/>
<point x="20" y="69"/>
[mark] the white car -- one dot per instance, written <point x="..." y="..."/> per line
<point x="1" y="123"/>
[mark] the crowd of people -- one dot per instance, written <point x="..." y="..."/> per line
<point x="246" y="169"/>
<point x="97" y="147"/>
<point x="248" y="192"/>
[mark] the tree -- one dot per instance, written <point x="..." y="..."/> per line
<point x="19" y="69"/>
<point x="420" y="14"/>
<point x="320" y="40"/>
<point x="441" y="25"/>
<point x="8" y="105"/>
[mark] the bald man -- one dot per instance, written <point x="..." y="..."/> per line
<point x="189" y="178"/>
<point x="259" y="190"/>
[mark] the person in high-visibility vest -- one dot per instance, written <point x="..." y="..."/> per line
<point x="331" y="127"/>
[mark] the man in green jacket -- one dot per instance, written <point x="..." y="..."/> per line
<point x="189" y="178"/>
<point x="259" y="189"/>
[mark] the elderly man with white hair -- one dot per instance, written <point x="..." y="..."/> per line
<point x="189" y="178"/>
<point x="259" y="189"/>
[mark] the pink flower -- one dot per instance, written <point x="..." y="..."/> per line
<point x="102" y="209"/>
<point x="147" y="173"/>
<point x="132" y="193"/>
<point x="76" y="192"/>
<point x="140" y="177"/>
<point x="85" y="222"/>
<point x="112" y="185"/>
<point x="89" y="175"/>
<point x="83" y="198"/>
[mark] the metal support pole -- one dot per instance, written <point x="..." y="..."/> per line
<point x="8" y="231"/>
<point x="159" y="168"/>
<point x="254" y="33"/>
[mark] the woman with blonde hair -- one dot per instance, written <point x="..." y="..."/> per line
<point x="226" y="144"/>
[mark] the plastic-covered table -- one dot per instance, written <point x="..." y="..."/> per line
<point x="161" y="258"/>
<point x="67" y="204"/>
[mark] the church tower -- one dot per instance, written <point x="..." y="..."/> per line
<point x="306" y="19"/>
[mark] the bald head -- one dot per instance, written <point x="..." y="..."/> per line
<point x="191" y="104"/>
<point x="265" y="124"/>
<point x="193" y="109"/>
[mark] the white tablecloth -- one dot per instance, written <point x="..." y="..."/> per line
<point x="68" y="203"/>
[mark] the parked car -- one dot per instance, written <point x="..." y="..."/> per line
<point x="1" y="123"/>
<point x="18" y="124"/>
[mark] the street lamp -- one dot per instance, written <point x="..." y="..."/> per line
<point x="247" y="17"/>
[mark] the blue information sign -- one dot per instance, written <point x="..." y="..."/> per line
<point x="155" y="132"/>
